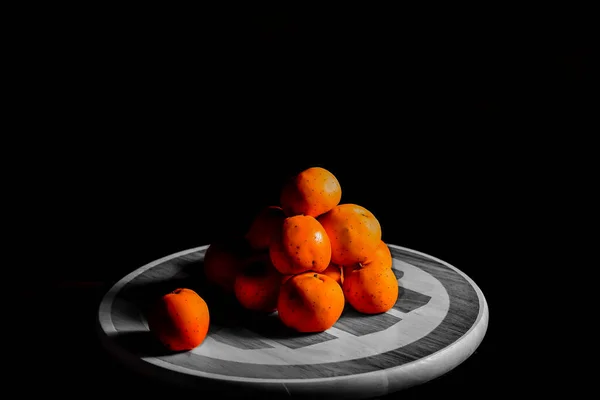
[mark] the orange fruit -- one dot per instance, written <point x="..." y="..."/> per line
<point x="335" y="272"/>
<point x="370" y="289"/>
<point x="179" y="319"/>
<point x="301" y="244"/>
<point x="310" y="302"/>
<point x="263" y="226"/>
<point x="381" y="257"/>
<point x="257" y="285"/>
<point x="312" y="191"/>
<point x="223" y="260"/>
<point x="354" y="233"/>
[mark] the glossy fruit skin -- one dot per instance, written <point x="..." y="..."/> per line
<point x="310" y="302"/>
<point x="370" y="289"/>
<point x="179" y="319"/>
<point x="300" y="245"/>
<point x="313" y="192"/>
<point x="354" y="233"/>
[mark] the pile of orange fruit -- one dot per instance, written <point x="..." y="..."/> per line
<point x="305" y="257"/>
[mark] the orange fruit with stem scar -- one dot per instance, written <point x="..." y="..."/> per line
<point x="310" y="302"/>
<point x="372" y="287"/>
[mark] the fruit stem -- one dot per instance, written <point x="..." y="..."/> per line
<point x="315" y="275"/>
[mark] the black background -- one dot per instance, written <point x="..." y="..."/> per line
<point x="149" y="132"/>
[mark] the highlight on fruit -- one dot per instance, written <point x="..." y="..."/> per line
<point x="304" y="257"/>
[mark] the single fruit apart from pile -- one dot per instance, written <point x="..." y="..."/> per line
<point x="257" y="285"/>
<point x="312" y="191"/>
<point x="301" y="244"/>
<point x="310" y="302"/>
<point x="223" y="260"/>
<point x="263" y="226"/>
<point x="353" y="231"/>
<point x="370" y="289"/>
<point x="179" y="319"/>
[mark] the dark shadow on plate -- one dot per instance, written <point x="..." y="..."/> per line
<point x="269" y="326"/>
<point x="409" y="300"/>
<point x="142" y="344"/>
<point x="399" y="274"/>
<point x="144" y="293"/>
<point x="225" y="310"/>
<point x="359" y="324"/>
